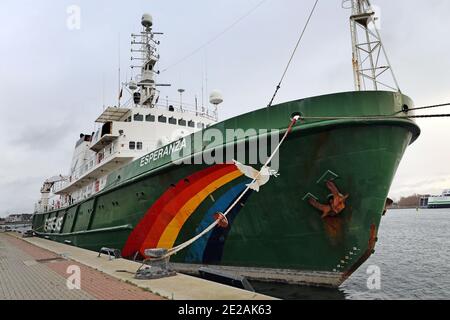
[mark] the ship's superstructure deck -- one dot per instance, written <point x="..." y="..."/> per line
<point x="140" y="125"/>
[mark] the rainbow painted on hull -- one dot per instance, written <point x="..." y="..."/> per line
<point x="163" y="222"/>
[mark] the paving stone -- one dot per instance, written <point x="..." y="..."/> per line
<point x="28" y="272"/>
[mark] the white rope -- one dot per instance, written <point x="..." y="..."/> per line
<point x="214" y="224"/>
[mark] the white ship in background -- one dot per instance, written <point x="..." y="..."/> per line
<point x="441" y="201"/>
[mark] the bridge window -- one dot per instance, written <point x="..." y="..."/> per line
<point x="150" y="118"/>
<point x="138" y="117"/>
<point x="191" y="124"/>
<point x="132" y="145"/>
<point x="139" y="145"/>
<point x="162" y="119"/>
<point x="182" y="122"/>
<point x="172" y="120"/>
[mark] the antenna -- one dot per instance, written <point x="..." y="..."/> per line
<point x="120" y="82"/>
<point x="103" y="90"/>
<point x="181" y="91"/>
<point x="206" y="72"/>
<point x="203" y="94"/>
<point x="367" y="48"/>
<point x="196" y="105"/>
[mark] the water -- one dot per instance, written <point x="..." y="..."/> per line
<point x="413" y="254"/>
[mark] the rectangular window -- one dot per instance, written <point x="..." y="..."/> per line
<point x="139" y="145"/>
<point x="162" y="119"/>
<point x="200" y="125"/>
<point x="150" y="118"/>
<point x="132" y="145"/>
<point x="182" y="122"/>
<point x="172" y="120"/>
<point x="191" y="124"/>
<point x="138" y="117"/>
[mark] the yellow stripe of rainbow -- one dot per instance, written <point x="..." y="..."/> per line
<point x="172" y="231"/>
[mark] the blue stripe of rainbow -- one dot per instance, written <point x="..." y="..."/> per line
<point x="209" y="248"/>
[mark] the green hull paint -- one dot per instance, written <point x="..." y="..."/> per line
<point x="275" y="229"/>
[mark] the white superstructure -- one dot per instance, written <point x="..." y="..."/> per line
<point x="125" y="133"/>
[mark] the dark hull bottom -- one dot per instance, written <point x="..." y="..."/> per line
<point x="274" y="234"/>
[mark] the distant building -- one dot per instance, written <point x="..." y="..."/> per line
<point x="424" y="201"/>
<point x="13" y="218"/>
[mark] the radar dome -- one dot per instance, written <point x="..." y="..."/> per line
<point x="147" y="20"/>
<point x="132" y="85"/>
<point x="216" y="97"/>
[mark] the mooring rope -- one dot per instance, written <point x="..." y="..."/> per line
<point x="182" y="246"/>
<point x="377" y="117"/>
<point x="427" y="107"/>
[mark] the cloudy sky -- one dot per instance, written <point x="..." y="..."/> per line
<point x="54" y="81"/>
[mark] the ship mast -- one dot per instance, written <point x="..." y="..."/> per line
<point x="145" y="93"/>
<point x="371" y="66"/>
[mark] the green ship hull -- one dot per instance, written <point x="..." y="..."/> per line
<point x="274" y="234"/>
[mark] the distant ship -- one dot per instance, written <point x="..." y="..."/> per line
<point x="442" y="201"/>
<point x="315" y="223"/>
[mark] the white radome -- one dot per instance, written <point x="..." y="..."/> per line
<point x="147" y="20"/>
<point x="132" y="85"/>
<point x="216" y="97"/>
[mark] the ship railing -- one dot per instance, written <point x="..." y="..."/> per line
<point x="199" y="111"/>
<point x="55" y="203"/>
<point x="92" y="163"/>
<point x="203" y="111"/>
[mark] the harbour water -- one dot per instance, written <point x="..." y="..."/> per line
<point x="413" y="257"/>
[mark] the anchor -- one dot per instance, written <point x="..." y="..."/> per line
<point x="336" y="202"/>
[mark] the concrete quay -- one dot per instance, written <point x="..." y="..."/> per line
<point x="37" y="269"/>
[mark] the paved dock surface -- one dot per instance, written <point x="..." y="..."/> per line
<point x="28" y="272"/>
<point x="101" y="278"/>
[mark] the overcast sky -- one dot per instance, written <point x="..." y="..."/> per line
<point x="54" y="81"/>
